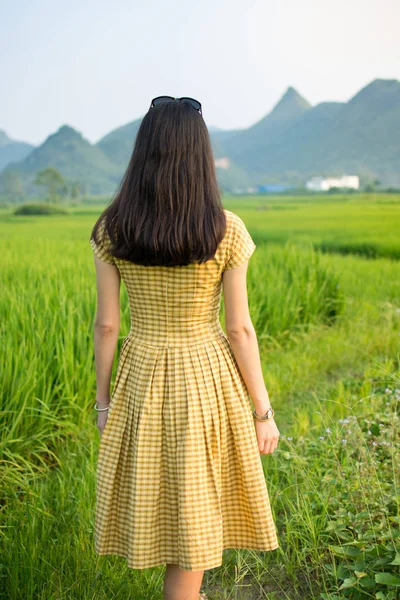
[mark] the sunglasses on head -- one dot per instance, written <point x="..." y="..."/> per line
<point x="160" y="99"/>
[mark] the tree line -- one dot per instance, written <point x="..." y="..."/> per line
<point x="50" y="182"/>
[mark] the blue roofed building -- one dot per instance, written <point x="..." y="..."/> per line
<point x="275" y="187"/>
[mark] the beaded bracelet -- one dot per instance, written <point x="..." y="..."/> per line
<point x="96" y="407"/>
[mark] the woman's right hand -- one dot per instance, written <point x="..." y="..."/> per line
<point x="267" y="435"/>
<point x="102" y="421"/>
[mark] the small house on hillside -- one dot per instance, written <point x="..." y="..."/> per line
<point x="319" y="184"/>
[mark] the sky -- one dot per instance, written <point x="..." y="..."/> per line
<point x="96" y="65"/>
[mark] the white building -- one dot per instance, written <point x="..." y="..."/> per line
<point x="222" y="162"/>
<point x="319" y="184"/>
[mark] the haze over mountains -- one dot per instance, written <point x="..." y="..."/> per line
<point x="11" y="150"/>
<point x="292" y="143"/>
<point x="296" y="140"/>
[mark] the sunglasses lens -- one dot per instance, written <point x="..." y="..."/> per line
<point x="162" y="99"/>
<point x="192" y="102"/>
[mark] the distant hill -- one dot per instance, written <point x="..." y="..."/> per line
<point x="118" y="144"/>
<point x="12" y="150"/>
<point x="76" y="159"/>
<point x="247" y="147"/>
<point x="296" y="141"/>
<point x="290" y="144"/>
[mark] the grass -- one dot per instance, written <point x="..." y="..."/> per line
<point x="328" y="327"/>
<point x="364" y="224"/>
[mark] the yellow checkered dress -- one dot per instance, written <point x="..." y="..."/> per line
<point x="179" y="472"/>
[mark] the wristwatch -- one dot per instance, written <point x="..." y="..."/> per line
<point x="265" y="417"/>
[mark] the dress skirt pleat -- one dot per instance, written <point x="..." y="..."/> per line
<point x="180" y="476"/>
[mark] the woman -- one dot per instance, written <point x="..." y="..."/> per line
<point x="179" y="473"/>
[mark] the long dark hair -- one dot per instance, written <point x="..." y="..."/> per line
<point x="167" y="210"/>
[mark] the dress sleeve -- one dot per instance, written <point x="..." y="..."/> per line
<point x="101" y="249"/>
<point x="243" y="245"/>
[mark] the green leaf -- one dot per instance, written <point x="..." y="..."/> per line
<point x="348" y="583"/>
<point x="387" y="579"/>
<point x="345" y="550"/>
<point x="381" y="562"/>
<point x="367" y="582"/>
<point x="362" y="515"/>
<point x="396" y="560"/>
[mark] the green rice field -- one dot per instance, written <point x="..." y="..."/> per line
<point x="324" y="296"/>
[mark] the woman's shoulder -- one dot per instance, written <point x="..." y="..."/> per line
<point x="234" y="222"/>
<point x="232" y="219"/>
<point x="229" y="214"/>
<point x="240" y="243"/>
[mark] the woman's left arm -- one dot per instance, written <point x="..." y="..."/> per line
<point x="106" y="327"/>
